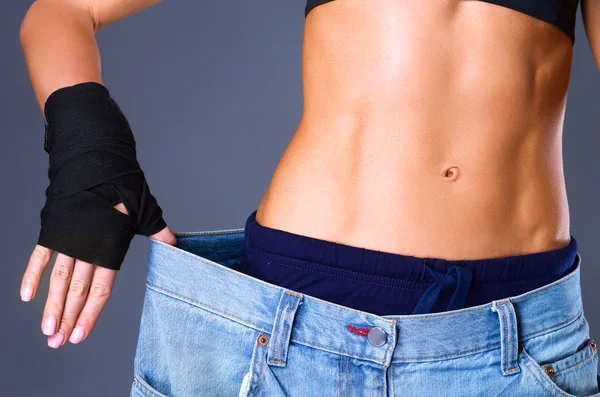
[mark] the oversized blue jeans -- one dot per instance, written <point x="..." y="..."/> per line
<point x="209" y="330"/>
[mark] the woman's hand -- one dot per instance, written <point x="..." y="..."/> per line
<point x="78" y="291"/>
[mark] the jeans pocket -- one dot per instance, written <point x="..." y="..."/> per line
<point x="573" y="375"/>
<point x="260" y="380"/>
<point x="141" y="388"/>
<point x="188" y="350"/>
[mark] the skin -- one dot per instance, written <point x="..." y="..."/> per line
<point x="422" y="128"/>
<point x="429" y="131"/>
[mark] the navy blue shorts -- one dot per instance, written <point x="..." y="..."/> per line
<point x="384" y="283"/>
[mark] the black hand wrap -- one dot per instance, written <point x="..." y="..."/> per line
<point x="93" y="166"/>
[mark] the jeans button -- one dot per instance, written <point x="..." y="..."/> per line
<point x="377" y="336"/>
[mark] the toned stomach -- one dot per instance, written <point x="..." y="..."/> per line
<point x="427" y="131"/>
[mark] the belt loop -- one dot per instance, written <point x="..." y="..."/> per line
<point x="282" y="328"/>
<point x="509" y="336"/>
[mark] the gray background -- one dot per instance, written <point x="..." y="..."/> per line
<point x="212" y="91"/>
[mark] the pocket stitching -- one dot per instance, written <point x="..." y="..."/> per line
<point x="140" y="382"/>
<point x="260" y="361"/>
<point x="256" y="360"/>
<point x="581" y="362"/>
<point x="258" y="377"/>
<point x="533" y="375"/>
<point x="536" y="371"/>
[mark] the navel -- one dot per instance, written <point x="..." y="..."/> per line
<point x="450" y="173"/>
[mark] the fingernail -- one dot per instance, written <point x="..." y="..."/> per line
<point x="26" y="293"/>
<point x="76" y="335"/>
<point x="56" y="340"/>
<point x="50" y="326"/>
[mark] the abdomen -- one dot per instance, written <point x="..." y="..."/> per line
<point x="429" y="131"/>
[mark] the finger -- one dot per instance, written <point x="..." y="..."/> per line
<point x="39" y="259"/>
<point x="59" y="282"/>
<point x="166" y="236"/>
<point x="100" y="290"/>
<point x="76" y="296"/>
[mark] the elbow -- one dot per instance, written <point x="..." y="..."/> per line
<point x="26" y="24"/>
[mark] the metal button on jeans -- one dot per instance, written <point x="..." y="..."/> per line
<point x="376" y="336"/>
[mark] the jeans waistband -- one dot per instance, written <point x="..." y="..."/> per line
<point x="200" y="270"/>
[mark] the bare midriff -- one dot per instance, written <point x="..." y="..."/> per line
<point x="433" y="131"/>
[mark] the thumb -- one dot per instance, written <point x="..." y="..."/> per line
<point x="165" y="235"/>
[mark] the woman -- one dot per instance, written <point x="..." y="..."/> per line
<point x="414" y="239"/>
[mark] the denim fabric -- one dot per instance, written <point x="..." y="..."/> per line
<point x="209" y="330"/>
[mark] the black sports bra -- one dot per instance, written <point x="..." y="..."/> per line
<point x="561" y="13"/>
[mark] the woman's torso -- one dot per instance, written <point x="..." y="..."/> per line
<point x="395" y="94"/>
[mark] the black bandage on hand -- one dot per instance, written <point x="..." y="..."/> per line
<point x="93" y="166"/>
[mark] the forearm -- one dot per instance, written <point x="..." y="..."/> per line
<point x="59" y="45"/>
